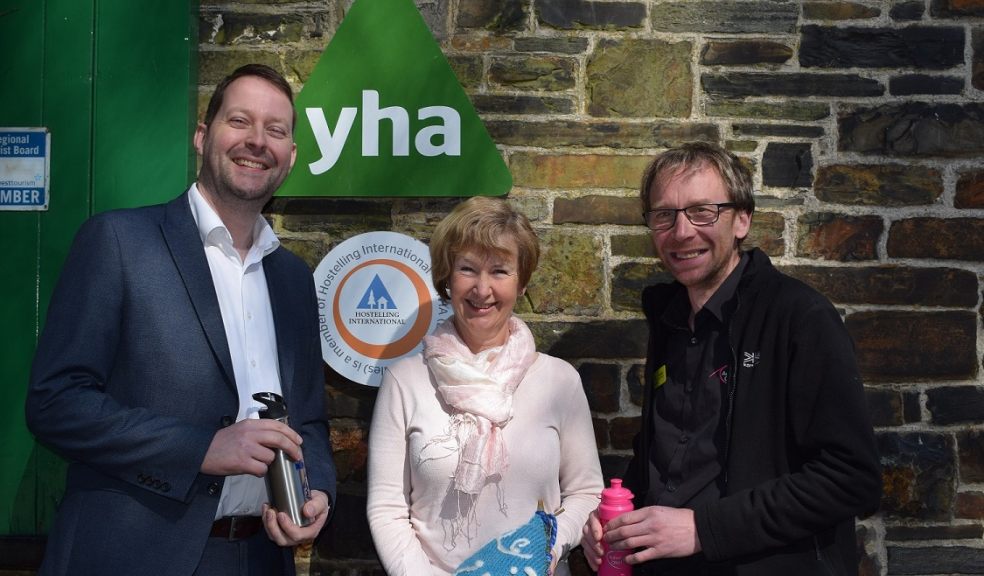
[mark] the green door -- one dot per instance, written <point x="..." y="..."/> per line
<point x="114" y="82"/>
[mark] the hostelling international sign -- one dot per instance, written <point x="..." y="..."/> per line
<point x="384" y="115"/>
<point x="375" y="303"/>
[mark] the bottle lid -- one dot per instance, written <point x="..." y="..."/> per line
<point x="616" y="491"/>
<point x="275" y="406"/>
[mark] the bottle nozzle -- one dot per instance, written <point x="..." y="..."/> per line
<point x="275" y="406"/>
<point x="616" y="491"/>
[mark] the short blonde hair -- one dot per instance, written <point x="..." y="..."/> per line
<point x="487" y="225"/>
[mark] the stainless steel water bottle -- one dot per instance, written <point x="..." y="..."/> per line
<point x="287" y="485"/>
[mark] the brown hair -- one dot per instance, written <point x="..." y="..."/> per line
<point x="693" y="156"/>
<point x="261" y="71"/>
<point x="485" y="224"/>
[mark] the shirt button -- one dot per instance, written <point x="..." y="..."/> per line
<point x="226" y="421"/>
<point x="693" y="340"/>
<point x="684" y="439"/>
<point x="252" y="363"/>
<point x="671" y="487"/>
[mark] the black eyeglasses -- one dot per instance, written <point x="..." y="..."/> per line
<point x="698" y="214"/>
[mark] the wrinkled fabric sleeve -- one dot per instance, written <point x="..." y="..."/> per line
<point x="68" y="408"/>
<point x="313" y="423"/>
<point x="388" y="506"/>
<point x="580" y="471"/>
<point x="829" y="429"/>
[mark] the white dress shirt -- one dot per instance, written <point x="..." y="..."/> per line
<point x="244" y="301"/>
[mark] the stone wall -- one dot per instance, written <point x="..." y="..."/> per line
<point x="864" y="127"/>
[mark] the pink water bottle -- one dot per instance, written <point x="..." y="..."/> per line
<point x="615" y="500"/>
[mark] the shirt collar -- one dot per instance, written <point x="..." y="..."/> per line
<point x="715" y="304"/>
<point x="678" y="311"/>
<point x="213" y="231"/>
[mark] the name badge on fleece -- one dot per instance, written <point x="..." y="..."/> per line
<point x="659" y="377"/>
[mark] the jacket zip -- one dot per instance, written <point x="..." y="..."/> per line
<point x="732" y="386"/>
<point x="647" y="408"/>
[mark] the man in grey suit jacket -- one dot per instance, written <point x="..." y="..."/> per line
<point x="165" y="321"/>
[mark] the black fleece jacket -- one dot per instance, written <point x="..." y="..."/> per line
<point x="800" y="460"/>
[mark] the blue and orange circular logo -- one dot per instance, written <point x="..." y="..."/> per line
<point x="375" y="302"/>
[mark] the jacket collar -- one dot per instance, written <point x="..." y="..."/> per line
<point x="185" y="245"/>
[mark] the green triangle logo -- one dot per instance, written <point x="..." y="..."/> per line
<point x="384" y="115"/>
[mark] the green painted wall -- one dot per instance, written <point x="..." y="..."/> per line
<point x="115" y="82"/>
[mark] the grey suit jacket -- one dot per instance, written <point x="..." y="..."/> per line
<point x="133" y="377"/>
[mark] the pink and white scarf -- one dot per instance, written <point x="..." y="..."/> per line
<point x="479" y="389"/>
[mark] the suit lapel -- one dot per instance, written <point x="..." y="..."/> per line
<point x="281" y="305"/>
<point x="185" y="245"/>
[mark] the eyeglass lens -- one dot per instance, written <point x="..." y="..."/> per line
<point x="700" y="215"/>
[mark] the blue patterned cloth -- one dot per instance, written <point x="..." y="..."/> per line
<point x="524" y="551"/>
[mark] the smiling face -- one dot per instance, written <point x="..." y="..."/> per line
<point x="699" y="257"/>
<point x="248" y="148"/>
<point x="484" y="288"/>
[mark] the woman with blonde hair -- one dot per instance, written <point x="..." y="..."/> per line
<point x="468" y="435"/>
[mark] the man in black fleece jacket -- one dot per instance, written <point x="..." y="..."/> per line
<point x="756" y="451"/>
